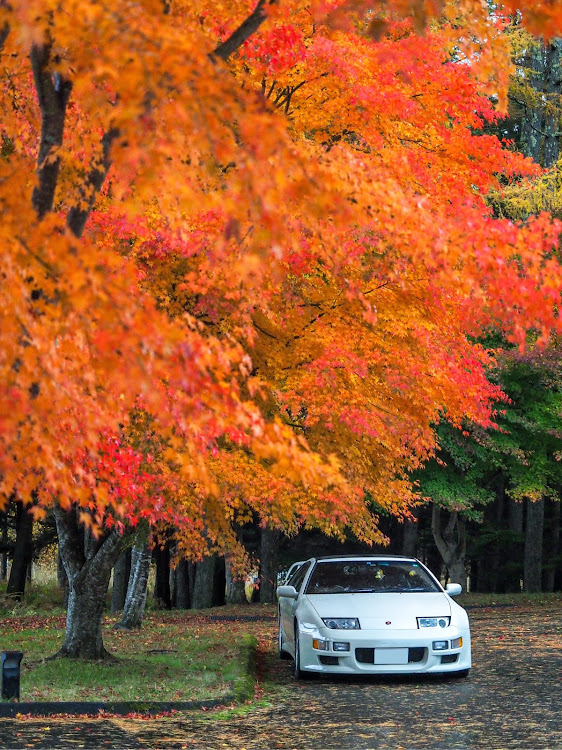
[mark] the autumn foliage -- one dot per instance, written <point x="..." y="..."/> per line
<point x="245" y="273"/>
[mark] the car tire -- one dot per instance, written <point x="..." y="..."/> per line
<point x="460" y="675"/>
<point x="282" y="653"/>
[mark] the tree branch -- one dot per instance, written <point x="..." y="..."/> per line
<point x="244" y="31"/>
<point x="450" y="528"/>
<point x="108" y="550"/>
<point x="78" y="215"/>
<point x="265" y="333"/>
<point x="70" y="540"/>
<point x="4" y="31"/>
<point x="53" y="93"/>
<point x="437" y="535"/>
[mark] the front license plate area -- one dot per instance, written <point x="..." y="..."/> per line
<point x="391" y="656"/>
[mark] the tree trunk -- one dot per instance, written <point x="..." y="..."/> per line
<point x="121" y="573"/>
<point x="410" y="536"/>
<point x="451" y="543"/>
<point x="235" y="588"/>
<point x="203" y="586"/>
<point x="554" y="545"/>
<point x="532" y="122"/>
<point x="182" y="589"/>
<point x="88" y="567"/>
<point x="513" y="565"/>
<point x="4" y="554"/>
<point x="539" y="131"/>
<point x="135" y="601"/>
<point x="532" y="568"/>
<point x="219" y="582"/>
<point x="269" y="564"/>
<point x="62" y="578"/>
<point x="552" y="87"/>
<point x="515" y="517"/>
<point x="162" y="593"/>
<point x="23" y="551"/>
<point x="495" y="554"/>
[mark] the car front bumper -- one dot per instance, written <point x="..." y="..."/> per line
<point x="379" y="652"/>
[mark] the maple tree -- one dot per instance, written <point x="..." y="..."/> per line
<point x="247" y="252"/>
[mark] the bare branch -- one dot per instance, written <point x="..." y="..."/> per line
<point x="244" y="31"/>
<point x="265" y="333"/>
<point x="78" y="215"/>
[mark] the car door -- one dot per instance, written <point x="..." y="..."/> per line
<point x="291" y="572"/>
<point x="288" y="606"/>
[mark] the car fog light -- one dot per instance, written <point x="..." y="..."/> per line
<point x="457" y="643"/>
<point x="440" y="645"/>
<point x="340" y="646"/>
<point x="320" y="645"/>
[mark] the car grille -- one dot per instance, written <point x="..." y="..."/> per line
<point x="367" y="655"/>
<point x="416" y="654"/>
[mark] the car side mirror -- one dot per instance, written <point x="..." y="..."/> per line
<point x="453" y="589"/>
<point x="288" y="592"/>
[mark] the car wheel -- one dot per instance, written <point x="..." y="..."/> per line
<point x="282" y="653"/>
<point x="461" y="674"/>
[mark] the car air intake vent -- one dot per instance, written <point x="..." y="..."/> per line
<point x="365" y="655"/>
<point x="416" y="654"/>
<point x="329" y="660"/>
<point x="449" y="658"/>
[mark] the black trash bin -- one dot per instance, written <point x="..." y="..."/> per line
<point x="10" y="664"/>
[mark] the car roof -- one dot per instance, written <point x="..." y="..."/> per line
<point x="382" y="556"/>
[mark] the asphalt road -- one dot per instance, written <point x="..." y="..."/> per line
<point x="512" y="700"/>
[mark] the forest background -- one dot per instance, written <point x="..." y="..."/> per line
<point x="273" y="269"/>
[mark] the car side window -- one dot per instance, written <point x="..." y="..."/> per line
<point x="298" y="576"/>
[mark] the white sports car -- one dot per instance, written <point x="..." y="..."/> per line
<point x="378" y="614"/>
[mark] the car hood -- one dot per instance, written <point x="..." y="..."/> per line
<point x="378" y="611"/>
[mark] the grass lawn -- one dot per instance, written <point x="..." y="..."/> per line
<point x="505" y="600"/>
<point x="179" y="656"/>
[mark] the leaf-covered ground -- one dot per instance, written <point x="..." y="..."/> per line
<point x="510" y="700"/>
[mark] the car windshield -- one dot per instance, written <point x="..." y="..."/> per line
<point x="369" y="576"/>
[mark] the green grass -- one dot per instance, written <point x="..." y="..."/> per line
<point x="516" y="599"/>
<point x="179" y="657"/>
<point x="154" y="678"/>
<point x="39" y="598"/>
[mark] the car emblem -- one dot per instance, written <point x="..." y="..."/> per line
<point x="388" y="622"/>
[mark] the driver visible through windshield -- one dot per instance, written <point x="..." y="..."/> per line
<point x="369" y="576"/>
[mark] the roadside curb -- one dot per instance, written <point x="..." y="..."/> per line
<point x="244" y="689"/>
<point x="52" y="708"/>
<point x="246" y="685"/>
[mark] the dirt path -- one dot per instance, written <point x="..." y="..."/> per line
<point x="511" y="700"/>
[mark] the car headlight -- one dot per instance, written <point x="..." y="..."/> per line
<point x="341" y="623"/>
<point x="433" y="622"/>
